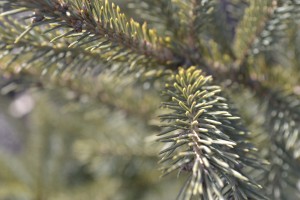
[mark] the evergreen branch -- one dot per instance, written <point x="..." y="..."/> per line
<point x="206" y="140"/>
<point x="283" y="115"/>
<point x="279" y="144"/>
<point x="161" y="14"/>
<point x="271" y="29"/>
<point x="256" y="17"/>
<point x="184" y="21"/>
<point x="283" y="16"/>
<point x="197" y="17"/>
<point x="225" y="17"/>
<point x="282" y="175"/>
<point x="98" y="21"/>
<point x="193" y="16"/>
<point x="35" y="49"/>
<point x="228" y="15"/>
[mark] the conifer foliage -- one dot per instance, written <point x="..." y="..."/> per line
<point x="84" y="82"/>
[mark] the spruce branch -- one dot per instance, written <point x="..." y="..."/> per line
<point x="193" y="16"/>
<point x="225" y="17"/>
<point x="256" y="16"/>
<point x="268" y="33"/>
<point x="228" y="14"/>
<point x="184" y="21"/>
<point x="282" y="175"/>
<point x="194" y="27"/>
<point x="283" y="16"/>
<point x="206" y="140"/>
<point x="161" y="14"/>
<point x="202" y="134"/>
<point x="279" y="143"/>
<point x="101" y="23"/>
<point x="282" y="117"/>
<point x="35" y="50"/>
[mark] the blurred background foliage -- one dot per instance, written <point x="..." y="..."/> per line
<point x="59" y="144"/>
